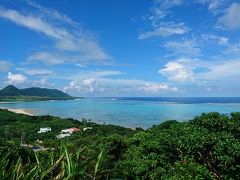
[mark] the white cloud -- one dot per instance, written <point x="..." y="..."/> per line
<point x="84" y="86"/>
<point x="20" y="79"/>
<point x="220" y="39"/>
<point x="180" y="70"/>
<point x="116" y="87"/>
<point x="36" y="72"/>
<point x="227" y="70"/>
<point x="185" y="48"/>
<point x="213" y="5"/>
<point x="104" y="73"/>
<point x="200" y="72"/>
<point x="165" y="5"/>
<point x="16" y="78"/>
<point x="39" y="72"/>
<point x="68" y="39"/>
<point x="93" y="74"/>
<point x="160" y="10"/>
<point x="155" y="88"/>
<point x="106" y="83"/>
<point x="34" y="23"/>
<point x="90" y="81"/>
<point x="165" y="31"/>
<point x="160" y="26"/>
<point x="46" y="57"/>
<point x="51" y="13"/>
<point x="43" y="83"/>
<point x="4" y="65"/>
<point x="157" y="14"/>
<point x="165" y="22"/>
<point x="233" y="49"/>
<point x="231" y="18"/>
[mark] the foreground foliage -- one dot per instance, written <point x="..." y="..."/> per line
<point x="207" y="147"/>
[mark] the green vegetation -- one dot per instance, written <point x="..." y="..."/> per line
<point x="11" y="93"/>
<point x="207" y="147"/>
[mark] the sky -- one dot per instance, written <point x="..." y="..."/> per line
<point x="113" y="48"/>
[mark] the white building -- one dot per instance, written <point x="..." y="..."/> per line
<point x="67" y="132"/>
<point x="70" y="130"/>
<point x="43" y="130"/>
<point x="86" y="128"/>
<point x="60" y="136"/>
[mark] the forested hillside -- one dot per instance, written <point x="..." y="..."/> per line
<point x="34" y="93"/>
<point x="207" y="147"/>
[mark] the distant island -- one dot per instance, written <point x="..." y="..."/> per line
<point x="12" y="93"/>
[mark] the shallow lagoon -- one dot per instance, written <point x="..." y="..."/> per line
<point x="130" y="112"/>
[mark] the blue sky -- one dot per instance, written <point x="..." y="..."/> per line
<point x="122" y="48"/>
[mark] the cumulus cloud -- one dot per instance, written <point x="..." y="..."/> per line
<point x="231" y="17"/>
<point x="68" y="39"/>
<point x="116" y="87"/>
<point x="4" y="65"/>
<point x="179" y="70"/>
<point x="106" y="82"/>
<point x="20" y="79"/>
<point x="84" y="86"/>
<point x="155" y="88"/>
<point x="16" y="78"/>
<point x="200" y="72"/>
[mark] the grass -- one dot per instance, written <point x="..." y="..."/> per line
<point x="65" y="166"/>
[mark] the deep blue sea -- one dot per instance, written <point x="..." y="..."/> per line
<point x="131" y="111"/>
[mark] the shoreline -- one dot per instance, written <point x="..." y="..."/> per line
<point x="29" y="113"/>
<point x="20" y="111"/>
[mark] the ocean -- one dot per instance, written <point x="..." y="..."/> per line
<point x="130" y="111"/>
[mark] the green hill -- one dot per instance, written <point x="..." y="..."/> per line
<point x="10" y="93"/>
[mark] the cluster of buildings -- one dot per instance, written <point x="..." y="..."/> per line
<point x="64" y="133"/>
<point x="43" y="130"/>
<point x="67" y="132"/>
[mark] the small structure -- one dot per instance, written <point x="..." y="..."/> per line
<point x="44" y="130"/>
<point x="67" y="132"/>
<point x="86" y="128"/>
<point x="60" y="136"/>
<point x="39" y="141"/>
<point x="70" y="130"/>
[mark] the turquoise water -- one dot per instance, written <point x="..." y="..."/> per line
<point x="127" y="112"/>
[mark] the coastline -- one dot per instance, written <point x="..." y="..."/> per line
<point x="20" y="111"/>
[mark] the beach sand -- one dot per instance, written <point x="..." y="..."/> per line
<point x="20" y="111"/>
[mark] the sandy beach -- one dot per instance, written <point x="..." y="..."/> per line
<point x="20" y="111"/>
